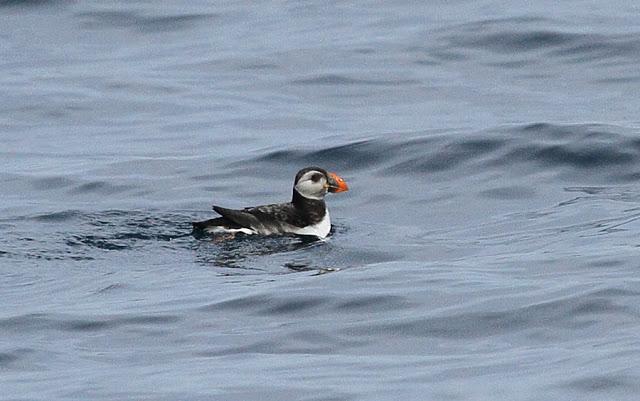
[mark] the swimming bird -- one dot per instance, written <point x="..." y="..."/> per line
<point x="306" y="214"/>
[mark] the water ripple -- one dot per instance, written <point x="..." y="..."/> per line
<point x="145" y="24"/>
<point x="598" y="151"/>
<point x="570" y="313"/>
<point x="340" y="80"/>
<point x="522" y="37"/>
<point x="36" y="322"/>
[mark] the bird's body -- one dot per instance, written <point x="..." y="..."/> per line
<point x="306" y="214"/>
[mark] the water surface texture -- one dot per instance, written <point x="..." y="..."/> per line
<point x="488" y="248"/>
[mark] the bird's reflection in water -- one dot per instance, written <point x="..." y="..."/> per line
<point x="259" y="253"/>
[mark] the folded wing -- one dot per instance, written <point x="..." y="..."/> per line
<point x="265" y="219"/>
<point x="240" y="217"/>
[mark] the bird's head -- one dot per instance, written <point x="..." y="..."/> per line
<point x="314" y="183"/>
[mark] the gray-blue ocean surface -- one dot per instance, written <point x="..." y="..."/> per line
<point x="488" y="248"/>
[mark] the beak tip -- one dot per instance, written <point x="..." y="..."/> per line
<point x="338" y="184"/>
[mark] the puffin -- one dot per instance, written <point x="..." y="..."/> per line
<point x="306" y="214"/>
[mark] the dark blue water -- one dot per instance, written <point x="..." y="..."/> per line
<point x="488" y="248"/>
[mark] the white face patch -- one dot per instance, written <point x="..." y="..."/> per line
<point x="309" y="188"/>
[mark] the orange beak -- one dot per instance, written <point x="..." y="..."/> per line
<point x="336" y="183"/>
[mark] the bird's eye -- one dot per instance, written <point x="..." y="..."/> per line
<point x="316" y="177"/>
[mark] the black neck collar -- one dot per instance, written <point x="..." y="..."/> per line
<point x="305" y="203"/>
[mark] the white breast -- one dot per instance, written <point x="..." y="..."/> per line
<point x="320" y="229"/>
